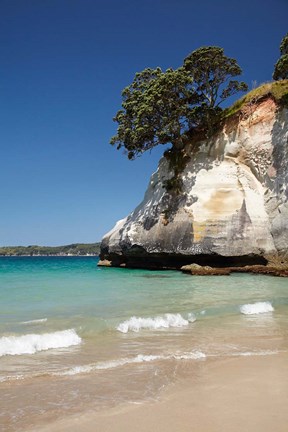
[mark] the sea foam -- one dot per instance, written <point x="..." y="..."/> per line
<point x="191" y="317"/>
<point x="136" y="324"/>
<point x="32" y="343"/>
<point x="140" y="358"/>
<point x="110" y="364"/>
<point x="256" y="308"/>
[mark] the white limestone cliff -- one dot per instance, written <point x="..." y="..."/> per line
<point x="233" y="207"/>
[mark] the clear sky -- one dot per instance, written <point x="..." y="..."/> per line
<point x="64" y="64"/>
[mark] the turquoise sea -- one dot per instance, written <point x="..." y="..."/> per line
<point x="76" y="337"/>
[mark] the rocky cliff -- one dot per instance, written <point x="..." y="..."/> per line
<point x="232" y="208"/>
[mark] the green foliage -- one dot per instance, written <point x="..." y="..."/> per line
<point x="177" y="161"/>
<point x="73" y="249"/>
<point x="164" y="107"/>
<point x="281" y="67"/>
<point x="211" y="71"/>
<point x="154" y="111"/>
<point x="278" y="90"/>
<point x="173" y="185"/>
<point x="284" y="45"/>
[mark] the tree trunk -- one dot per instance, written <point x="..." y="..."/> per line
<point x="178" y="144"/>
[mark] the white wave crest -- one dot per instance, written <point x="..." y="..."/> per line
<point x="255" y="353"/>
<point x="140" y="358"/>
<point x="11" y="378"/>
<point x="36" y="321"/>
<point x="32" y="343"/>
<point x="136" y="324"/>
<point x="196" y="355"/>
<point x="110" y="364"/>
<point x="256" y="308"/>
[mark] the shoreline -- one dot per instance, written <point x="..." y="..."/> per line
<point x="203" y="270"/>
<point x="192" y="269"/>
<point x="233" y="394"/>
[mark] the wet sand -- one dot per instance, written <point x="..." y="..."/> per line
<point x="229" y="395"/>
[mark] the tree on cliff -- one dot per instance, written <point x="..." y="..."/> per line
<point x="211" y="71"/>
<point x="164" y="107"/>
<point x="155" y="111"/>
<point x="281" y="67"/>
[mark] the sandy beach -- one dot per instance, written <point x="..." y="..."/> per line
<point x="248" y="393"/>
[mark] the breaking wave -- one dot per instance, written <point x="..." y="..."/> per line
<point x="256" y="308"/>
<point x="136" y="324"/>
<point x="32" y="343"/>
<point x="36" y="321"/>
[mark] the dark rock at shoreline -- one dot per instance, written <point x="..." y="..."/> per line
<point x="195" y="269"/>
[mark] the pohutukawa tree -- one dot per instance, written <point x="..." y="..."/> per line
<point x="212" y="72"/>
<point x="155" y="111"/>
<point x="281" y="67"/>
<point x="164" y="107"/>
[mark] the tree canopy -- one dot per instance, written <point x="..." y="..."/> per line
<point x="155" y="110"/>
<point x="212" y="72"/>
<point x="281" y="67"/>
<point x="164" y="107"/>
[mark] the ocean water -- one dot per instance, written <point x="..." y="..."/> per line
<point x="76" y="337"/>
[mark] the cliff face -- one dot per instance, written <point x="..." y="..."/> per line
<point x="232" y="210"/>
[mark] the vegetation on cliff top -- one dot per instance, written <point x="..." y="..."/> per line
<point x="278" y="90"/>
<point x="183" y="105"/>
<point x="168" y="107"/>
<point x="281" y="67"/>
<point x="164" y="107"/>
<point x="73" y="249"/>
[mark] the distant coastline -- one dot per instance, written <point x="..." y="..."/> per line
<point x="75" y="249"/>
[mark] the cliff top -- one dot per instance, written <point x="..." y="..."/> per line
<point x="278" y="90"/>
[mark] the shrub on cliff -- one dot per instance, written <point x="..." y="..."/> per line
<point x="164" y="107"/>
<point x="281" y="67"/>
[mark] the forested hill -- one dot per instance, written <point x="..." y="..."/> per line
<point x="72" y="249"/>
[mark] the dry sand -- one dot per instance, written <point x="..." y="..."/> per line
<point x="237" y="394"/>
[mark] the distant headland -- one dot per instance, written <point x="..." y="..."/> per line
<point x="75" y="249"/>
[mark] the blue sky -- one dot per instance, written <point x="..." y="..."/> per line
<point x="64" y="64"/>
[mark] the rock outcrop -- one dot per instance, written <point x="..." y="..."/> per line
<point x="232" y="209"/>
